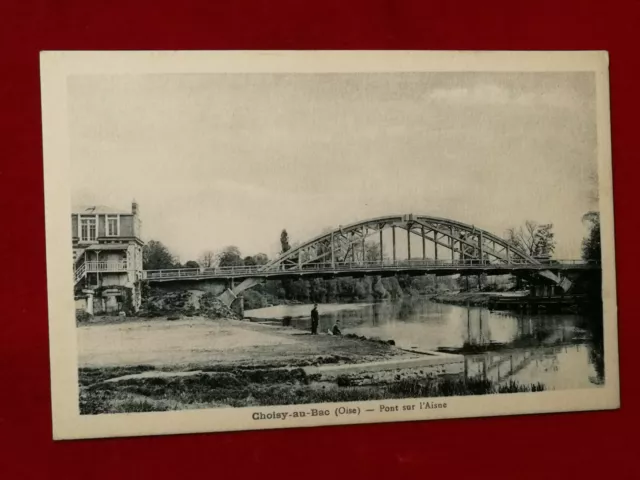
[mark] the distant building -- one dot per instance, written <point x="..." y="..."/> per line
<point x="107" y="258"/>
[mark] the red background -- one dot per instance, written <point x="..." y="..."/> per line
<point x="579" y="445"/>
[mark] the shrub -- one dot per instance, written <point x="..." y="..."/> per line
<point x="344" y="381"/>
<point x="82" y="316"/>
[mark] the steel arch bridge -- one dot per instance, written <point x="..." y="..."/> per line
<point x="348" y="250"/>
<point x="453" y="243"/>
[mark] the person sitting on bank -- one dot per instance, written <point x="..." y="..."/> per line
<point x="336" y="328"/>
<point x="314" y="319"/>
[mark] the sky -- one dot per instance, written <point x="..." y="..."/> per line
<point x="232" y="159"/>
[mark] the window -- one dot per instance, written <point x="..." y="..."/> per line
<point x="87" y="229"/>
<point x="113" y="226"/>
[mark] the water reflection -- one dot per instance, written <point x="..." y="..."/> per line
<point x="559" y="350"/>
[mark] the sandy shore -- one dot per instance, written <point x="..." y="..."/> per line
<point x="197" y="340"/>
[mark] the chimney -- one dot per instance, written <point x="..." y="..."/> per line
<point x="134" y="207"/>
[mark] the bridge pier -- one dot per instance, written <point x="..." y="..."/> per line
<point x="238" y="305"/>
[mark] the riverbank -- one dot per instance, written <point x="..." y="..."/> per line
<point x="133" y="365"/>
<point x="475" y="299"/>
<point x="518" y="301"/>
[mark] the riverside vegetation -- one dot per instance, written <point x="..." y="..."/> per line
<point x="221" y="386"/>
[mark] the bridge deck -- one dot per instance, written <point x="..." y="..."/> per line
<point x="419" y="267"/>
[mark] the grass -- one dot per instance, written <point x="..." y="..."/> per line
<point x="89" y="376"/>
<point x="259" y="387"/>
<point x="447" y="387"/>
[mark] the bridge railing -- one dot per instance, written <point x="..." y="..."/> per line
<point x="185" y="273"/>
<point x="200" y="272"/>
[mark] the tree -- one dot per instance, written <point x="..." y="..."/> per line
<point x="362" y="288"/>
<point x="191" y="264"/>
<point x="258" y="259"/>
<point x="208" y="259"/>
<point x="230" y="257"/>
<point x="318" y="290"/>
<point x="378" y="289"/>
<point x="372" y="252"/>
<point x="284" y="242"/>
<point x="261" y="259"/>
<point x="544" y="241"/>
<point x="156" y="256"/>
<point x="523" y="238"/>
<point x="534" y="239"/>
<point x="300" y="289"/>
<point x="591" y="249"/>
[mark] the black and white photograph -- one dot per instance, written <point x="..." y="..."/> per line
<point x="253" y="240"/>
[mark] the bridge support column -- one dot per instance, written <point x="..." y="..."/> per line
<point x="435" y="246"/>
<point x="333" y="254"/>
<point x="453" y="246"/>
<point x="381" y="248"/>
<point x="393" y="237"/>
<point x="408" y="242"/>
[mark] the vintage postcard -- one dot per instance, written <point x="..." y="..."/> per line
<point x="277" y="239"/>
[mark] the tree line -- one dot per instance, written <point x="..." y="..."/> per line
<point x="157" y="256"/>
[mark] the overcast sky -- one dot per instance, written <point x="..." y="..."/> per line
<point x="216" y="160"/>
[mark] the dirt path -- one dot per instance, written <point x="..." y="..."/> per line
<point x="200" y="341"/>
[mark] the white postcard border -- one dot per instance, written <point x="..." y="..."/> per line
<point x="57" y="66"/>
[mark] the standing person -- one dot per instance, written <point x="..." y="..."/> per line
<point x="314" y="319"/>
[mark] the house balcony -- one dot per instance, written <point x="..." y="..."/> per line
<point x="105" y="267"/>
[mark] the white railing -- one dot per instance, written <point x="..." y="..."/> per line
<point x="184" y="273"/>
<point x="108" y="266"/>
<point x="173" y="273"/>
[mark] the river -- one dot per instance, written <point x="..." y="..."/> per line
<point x="562" y="351"/>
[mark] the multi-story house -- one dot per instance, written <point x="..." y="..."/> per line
<point x="107" y="258"/>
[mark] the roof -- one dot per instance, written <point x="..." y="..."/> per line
<point x="97" y="209"/>
<point x="108" y="246"/>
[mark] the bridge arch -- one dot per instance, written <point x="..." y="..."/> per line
<point x="458" y="242"/>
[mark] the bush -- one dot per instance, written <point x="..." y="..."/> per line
<point x="344" y="381"/>
<point x="253" y="299"/>
<point x="82" y="316"/>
